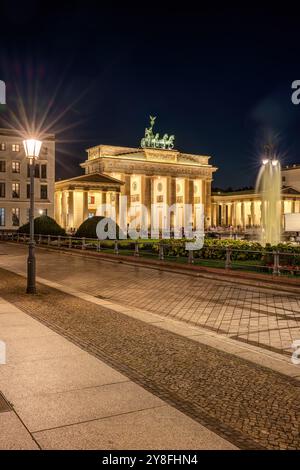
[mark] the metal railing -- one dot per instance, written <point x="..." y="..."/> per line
<point x="226" y="257"/>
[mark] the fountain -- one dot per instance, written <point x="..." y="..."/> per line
<point x="268" y="185"/>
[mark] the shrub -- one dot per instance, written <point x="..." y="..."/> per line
<point x="88" y="228"/>
<point x="43" y="225"/>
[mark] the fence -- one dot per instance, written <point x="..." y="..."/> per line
<point x="226" y="257"/>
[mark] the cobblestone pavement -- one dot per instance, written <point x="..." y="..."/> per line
<point x="259" y="316"/>
<point x="249" y="405"/>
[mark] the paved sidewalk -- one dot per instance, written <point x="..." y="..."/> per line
<point x="258" y="316"/>
<point x="248" y="404"/>
<point x="64" y="398"/>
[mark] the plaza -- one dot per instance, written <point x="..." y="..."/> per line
<point x="197" y="351"/>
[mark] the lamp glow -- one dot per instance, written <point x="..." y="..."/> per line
<point x="32" y="147"/>
<point x="274" y="162"/>
<point x="265" y="161"/>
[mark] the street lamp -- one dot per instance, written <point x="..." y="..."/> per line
<point x="32" y="149"/>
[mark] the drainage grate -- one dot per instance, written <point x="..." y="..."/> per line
<point x="4" y="405"/>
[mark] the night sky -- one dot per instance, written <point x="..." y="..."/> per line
<point x="219" y="79"/>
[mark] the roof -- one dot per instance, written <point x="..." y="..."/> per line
<point x="92" y="178"/>
<point x="295" y="166"/>
<point x="90" y="181"/>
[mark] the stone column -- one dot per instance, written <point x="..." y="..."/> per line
<point x="233" y="214"/>
<point x="252" y="213"/>
<point x="243" y="214"/>
<point x="207" y="206"/>
<point x="58" y="207"/>
<point x="214" y="213"/>
<point x="85" y="207"/>
<point x="171" y="198"/>
<point x="64" y="208"/>
<point x="71" y="209"/>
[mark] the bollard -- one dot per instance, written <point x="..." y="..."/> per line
<point x="58" y="240"/>
<point x="191" y="257"/>
<point x="18" y="237"/>
<point x="116" y="248"/>
<point x="83" y="244"/>
<point x="98" y="245"/>
<point x="161" y="251"/>
<point x="228" y="258"/>
<point x="70" y="242"/>
<point x="276" y="266"/>
<point x="48" y="240"/>
<point x="40" y="239"/>
<point x="136" y="249"/>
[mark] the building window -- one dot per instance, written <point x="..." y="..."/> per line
<point x="27" y="214"/>
<point x="283" y="179"/>
<point x="44" y="171"/>
<point x="36" y="170"/>
<point x="91" y="199"/>
<point x="2" y="189"/>
<point x="15" y="147"/>
<point x="2" y="216"/>
<point x="135" y="198"/>
<point x="15" y="216"/>
<point x="160" y="199"/>
<point x="28" y="191"/>
<point x="2" y="146"/>
<point x="2" y="166"/>
<point x="16" y="190"/>
<point x="44" y="191"/>
<point x="15" y="167"/>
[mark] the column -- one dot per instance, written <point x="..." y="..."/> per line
<point x="117" y="206"/>
<point x="64" y="208"/>
<point x="188" y="199"/>
<point x="207" y="207"/>
<point x="146" y="197"/>
<point x="233" y="217"/>
<point x="214" y="213"/>
<point x="252" y="213"/>
<point x="243" y="214"/>
<point x="71" y="209"/>
<point x="58" y="207"/>
<point x="171" y="198"/>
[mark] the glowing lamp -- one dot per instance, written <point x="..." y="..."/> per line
<point x="265" y="161"/>
<point x="274" y="162"/>
<point x="32" y="148"/>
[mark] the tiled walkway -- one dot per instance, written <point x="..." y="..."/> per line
<point x="259" y="316"/>
<point x="64" y="398"/>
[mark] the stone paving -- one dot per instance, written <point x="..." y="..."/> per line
<point x="259" y="316"/>
<point x="247" y="404"/>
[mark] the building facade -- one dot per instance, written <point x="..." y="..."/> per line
<point x="15" y="180"/>
<point x="155" y="178"/>
<point x="151" y="179"/>
<point x="242" y="209"/>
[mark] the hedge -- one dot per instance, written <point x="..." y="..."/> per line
<point x="88" y="227"/>
<point x="43" y="225"/>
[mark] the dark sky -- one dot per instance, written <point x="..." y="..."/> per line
<point x="219" y="78"/>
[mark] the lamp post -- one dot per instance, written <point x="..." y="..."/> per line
<point x="32" y="150"/>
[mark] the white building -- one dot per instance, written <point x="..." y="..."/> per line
<point x="15" y="180"/>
